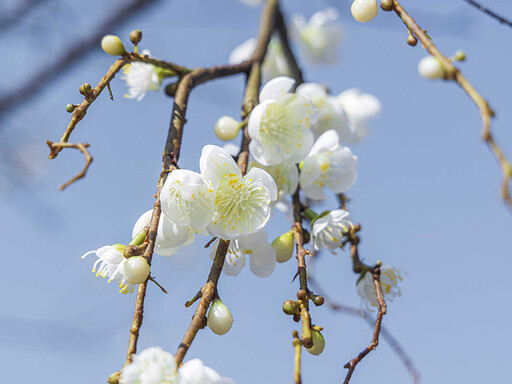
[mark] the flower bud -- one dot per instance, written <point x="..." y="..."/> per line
<point x="136" y="36"/>
<point x="112" y="45"/>
<point x="430" y="68"/>
<point x="226" y="128"/>
<point x="290" y="307"/>
<point x="318" y="343"/>
<point x="85" y="89"/>
<point x="283" y="245"/>
<point x="459" y="56"/>
<point x="135" y="270"/>
<point x="70" y="108"/>
<point x="412" y="40"/>
<point x="387" y="5"/>
<point x="219" y="318"/>
<point x="364" y="10"/>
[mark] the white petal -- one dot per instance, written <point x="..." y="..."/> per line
<point x="328" y="141"/>
<point x="342" y="180"/>
<point x="253" y="125"/>
<point x="311" y="90"/>
<point x="256" y="175"/>
<point x="314" y="192"/>
<point x="266" y="269"/>
<point x="142" y="221"/>
<point x="276" y="88"/>
<point x="215" y="164"/>
<point x="242" y="52"/>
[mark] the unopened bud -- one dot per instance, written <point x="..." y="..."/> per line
<point x="85" y="89"/>
<point x="112" y="45"/>
<point x="364" y="10"/>
<point x="290" y="307"/>
<point x="306" y="237"/>
<point x="430" y="68"/>
<point x="459" y="56"/>
<point x="220" y="319"/>
<point x="70" y="108"/>
<point x="387" y="5"/>
<point x="226" y="128"/>
<point x="135" y="269"/>
<point x="301" y="294"/>
<point x="136" y="36"/>
<point x="318" y="343"/>
<point x="283" y="245"/>
<point x="412" y="40"/>
<point x="318" y="300"/>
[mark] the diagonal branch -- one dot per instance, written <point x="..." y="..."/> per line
<point x="490" y="13"/>
<point x="70" y="56"/>
<point x="453" y="73"/>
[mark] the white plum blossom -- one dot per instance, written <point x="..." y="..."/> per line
<point x="151" y="366"/>
<point x="242" y="204"/>
<point x="280" y="126"/>
<point x="169" y="235"/>
<point x="274" y="64"/>
<point x="327" y="231"/>
<point x="331" y="114"/>
<point x="187" y="199"/>
<point x="359" y="107"/>
<point x="320" y="37"/>
<point x="110" y="265"/>
<point x="256" y="246"/>
<point x="389" y="278"/>
<point x="194" y="372"/>
<point x="141" y="78"/>
<point x="328" y="165"/>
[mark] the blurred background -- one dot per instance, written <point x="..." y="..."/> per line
<point x="427" y="197"/>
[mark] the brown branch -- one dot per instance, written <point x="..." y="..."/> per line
<point x="92" y="94"/>
<point x="287" y="51"/>
<point x="453" y="73"/>
<point x="489" y="13"/>
<point x="351" y="365"/>
<point x="386" y="335"/>
<point x="70" y="56"/>
<point x="82" y="147"/>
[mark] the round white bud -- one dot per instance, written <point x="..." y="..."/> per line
<point x="219" y="318"/>
<point x="135" y="269"/>
<point x="226" y="128"/>
<point x="112" y="45"/>
<point x="283" y="246"/>
<point x="430" y="68"/>
<point x="318" y="343"/>
<point x="364" y="10"/>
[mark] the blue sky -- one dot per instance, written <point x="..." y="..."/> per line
<point x="427" y="198"/>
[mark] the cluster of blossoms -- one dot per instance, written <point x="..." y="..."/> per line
<point x="156" y="366"/>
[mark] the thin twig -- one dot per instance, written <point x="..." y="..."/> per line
<point x="454" y="74"/>
<point x="386" y="335"/>
<point x="490" y="13"/>
<point x="287" y="51"/>
<point x="82" y="147"/>
<point x="351" y="365"/>
<point x="81" y="109"/>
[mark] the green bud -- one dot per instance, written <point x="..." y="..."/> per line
<point x="136" y="36"/>
<point x="290" y="307"/>
<point x="283" y="245"/>
<point x="318" y="343"/>
<point x="219" y="319"/>
<point x="85" y="89"/>
<point x="112" y="45"/>
<point x="459" y="56"/>
<point x="70" y="108"/>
